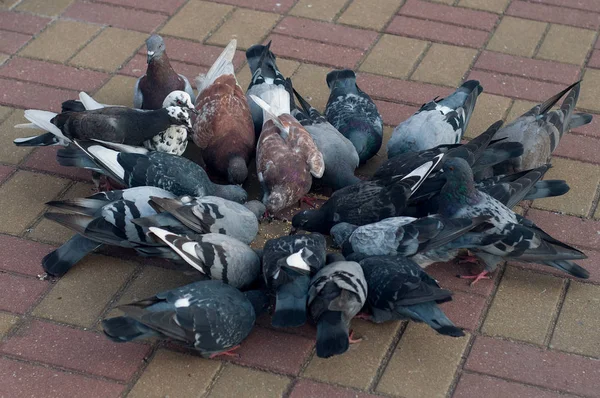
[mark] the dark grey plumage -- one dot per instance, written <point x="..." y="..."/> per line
<point x="337" y="293"/>
<point x="354" y="114"/>
<point x="400" y="289"/>
<point x="210" y="316"/>
<point x="288" y="264"/>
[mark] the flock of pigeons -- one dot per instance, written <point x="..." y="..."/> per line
<point x="431" y="199"/>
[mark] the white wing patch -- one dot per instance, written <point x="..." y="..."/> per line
<point x="296" y="261"/>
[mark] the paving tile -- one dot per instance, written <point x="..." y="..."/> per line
<point x="326" y="32"/>
<point x="23" y="379"/>
<point x="394" y="56"/>
<point x="369" y="14"/>
<point x="517" y="36"/>
<point x="572" y="230"/>
<point x="324" y="10"/>
<point x="527" y="67"/>
<point x="445" y="14"/>
<point x="278" y="6"/>
<point x="172" y="374"/>
<point x="490" y="108"/>
<point x="165" y="6"/>
<point x="312" y="51"/>
<point x="588" y="93"/>
<point x="3" y="58"/>
<point x="247" y="26"/>
<point x="310" y="82"/>
<point x="518" y="108"/>
<point x="392" y="113"/>
<point x="436" y="31"/>
<point x="118" y="91"/>
<point x="45" y="159"/>
<point x="445" y="65"/>
<point x="111" y="49"/>
<point x="75" y="349"/>
<point x="22" y="199"/>
<point x="551" y="14"/>
<point x="19" y="94"/>
<point x="583" y="178"/>
<point x="465" y="309"/>
<point x="579" y="320"/>
<point x="594" y="60"/>
<point x="400" y="90"/>
<point x="22" y="23"/>
<point x="22" y="256"/>
<point x="9" y="153"/>
<point x="18" y="294"/>
<point x="586" y="5"/>
<point x="235" y="381"/>
<point x="524" y="306"/>
<point x="475" y="386"/>
<point x="10" y="42"/>
<point x="497" y="6"/>
<point x="7" y="322"/>
<point x="361" y="361"/>
<point x="43" y="7"/>
<point x="53" y="74"/>
<point x="5" y="172"/>
<point x="420" y="353"/>
<point x="6" y="4"/>
<point x="115" y="16"/>
<point x="80" y="296"/>
<point x="310" y="389"/>
<point x="532" y="365"/>
<point x="516" y="87"/>
<point x="286" y="66"/>
<point x="185" y="23"/>
<point x="60" y="41"/>
<point x="566" y="44"/>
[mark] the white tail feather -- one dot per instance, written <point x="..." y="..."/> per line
<point x="123" y="147"/>
<point x="278" y="98"/>
<point x="222" y="66"/>
<point x="28" y="126"/>
<point x="268" y="113"/>
<point x="89" y="103"/>
<point x="186" y="252"/>
<point x="107" y="158"/>
<point x="42" y="120"/>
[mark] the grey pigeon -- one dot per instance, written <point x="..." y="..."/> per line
<point x="265" y="77"/>
<point x="510" y="235"/>
<point x="336" y="294"/>
<point x="175" y="174"/>
<point x="354" y="114"/>
<point x="540" y="130"/>
<point x="217" y="256"/>
<point x="211" y="316"/>
<point x="339" y="154"/>
<point x="160" y="79"/>
<point x="438" y="122"/>
<point x="400" y="289"/>
<point x="103" y="218"/>
<point x="288" y="264"/>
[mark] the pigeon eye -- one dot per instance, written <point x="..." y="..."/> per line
<point x="451" y="168"/>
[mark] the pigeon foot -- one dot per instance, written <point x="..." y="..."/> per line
<point x="351" y="338"/>
<point x="308" y="201"/>
<point x="476" y="278"/>
<point x="228" y="353"/>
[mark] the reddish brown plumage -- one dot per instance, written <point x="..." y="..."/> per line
<point x="158" y="82"/>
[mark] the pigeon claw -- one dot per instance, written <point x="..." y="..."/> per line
<point x="228" y="353"/>
<point x="476" y="278"/>
<point x="351" y="338"/>
<point x="308" y="201"/>
<point x="363" y="315"/>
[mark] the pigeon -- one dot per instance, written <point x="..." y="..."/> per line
<point x="265" y="77"/>
<point x="160" y="79"/>
<point x="211" y="316"/>
<point x="404" y="236"/>
<point x="438" y="122"/>
<point x="337" y="293"/>
<point x="223" y="129"/>
<point x="354" y="114"/>
<point x="288" y="264"/>
<point x="103" y="218"/>
<point x="510" y="235"/>
<point x="370" y="201"/>
<point x="540" y="130"/>
<point x="400" y="289"/>
<point x="339" y="154"/>
<point x="217" y="256"/>
<point x="286" y="157"/>
<point x="208" y="214"/>
<point x="176" y="174"/>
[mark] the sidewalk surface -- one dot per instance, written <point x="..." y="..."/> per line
<point x="531" y="332"/>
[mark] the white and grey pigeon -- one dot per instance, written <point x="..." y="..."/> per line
<point x="103" y="218"/>
<point x="354" y="114"/>
<point x="265" y="77"/>
<point x="208" y="214"/>
<point x="336" y="294"/>
<point x="510" y="236"/>
<point x="211" y="316"/>
<point x="438" y="122"/>
<point x="399" y="289"/>
<point x="175" y="174"/>
<point x="339" y="154"/>
<point x="217" y="256"/>
<point x="288" y="264"/>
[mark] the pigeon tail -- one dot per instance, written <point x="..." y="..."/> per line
<point x="61" y="260"/>
<point x="72" y="106"/>
<point x="432" y="315"/>
<point x="222" y="66"/>
<point x="343" y="77"/>
<point x="332" y="336"/>
<point x="47" y="139"/>
<point x="569" y="267"/>
<point x="290" y="303"/>
<point x="89" y="103"/>
<point x="43" y="119"/>
<point x="579" y="119"/>
<point x="547" y="189"/>
<point x="122" y="329"/>
<point x="73" y="157"/>
<point x="235" y="193"/>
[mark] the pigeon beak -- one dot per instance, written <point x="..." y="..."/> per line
<point x="194" y="111"/>
<point x="293" y="230"/>
<point x="150" y="56"/>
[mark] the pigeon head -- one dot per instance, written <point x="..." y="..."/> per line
<point x="155" y="46"/>
<point x="257" y="208"/>
<point x="310" y="220"/>
<point x="341" y="232"/>
<point x="457" y="169"/>
<point x="235" y="193"/>
<point x="259" y="300"/>
<point x="237" y="170"/>
<point x="179" y="116"/>
<point x="275" y="201"/>
<point x="178" y="98"/>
